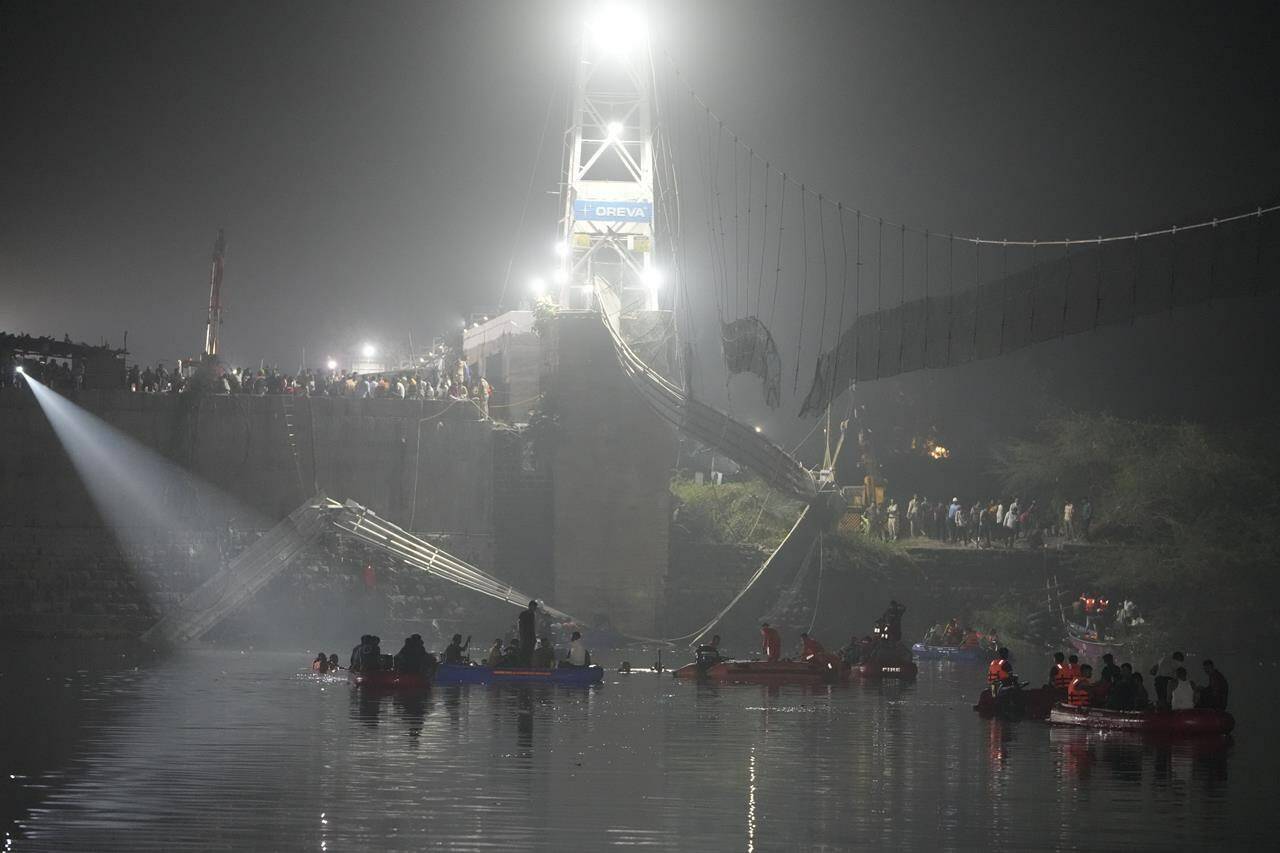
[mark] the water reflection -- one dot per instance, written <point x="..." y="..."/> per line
<point x="165" y="755"/>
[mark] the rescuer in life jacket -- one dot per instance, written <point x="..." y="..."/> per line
<point x="1059" y="679"/>
<point x="1000" y="672"/>
<point x="1079" y="694"/>
<point x="811" y="649"/>
<point x="770" y="642"/>
<point x="1072" y="670"/>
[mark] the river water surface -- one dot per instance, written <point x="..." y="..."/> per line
<point x="226" y="750"/>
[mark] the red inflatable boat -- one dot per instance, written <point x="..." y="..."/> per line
<point x="765" y="672"/>
<point x="887" y="660"/>
<point x="1191" y="721"/>
<point x="389" y="680"/>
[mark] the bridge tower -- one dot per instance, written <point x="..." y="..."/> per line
<point x="607" y="230"/>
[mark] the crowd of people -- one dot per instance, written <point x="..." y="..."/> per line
<point x="981" y="524"/>
<point x="1121" y="687"/>
<point x="441" y="378"/>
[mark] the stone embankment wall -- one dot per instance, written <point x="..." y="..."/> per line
<point x="423" y="464"/>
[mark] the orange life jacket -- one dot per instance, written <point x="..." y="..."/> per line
<point x="1062" y="676"/>
<point x="997" y="671"/>
<point x="772" y="641"/>
<point x="1078" y="693"/>
<point x="812" y="648"/>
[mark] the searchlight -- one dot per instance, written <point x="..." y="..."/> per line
<point x="617" y="28"/>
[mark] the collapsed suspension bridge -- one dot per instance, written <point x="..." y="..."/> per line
<point x="648" y="164"/>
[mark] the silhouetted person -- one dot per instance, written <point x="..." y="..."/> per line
<point x="528" y="625"/>
<point x="1214" y="693"/>
<point x="454" y="652"/>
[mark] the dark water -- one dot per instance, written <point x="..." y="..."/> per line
<point x="214" y="750"/>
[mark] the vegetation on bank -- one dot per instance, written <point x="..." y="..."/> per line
<point x="751" y="512"/>
<point x="1189" y="513"/>
<point x="747" y="512"/>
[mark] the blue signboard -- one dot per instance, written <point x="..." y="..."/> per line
<point x="612" y="211"/>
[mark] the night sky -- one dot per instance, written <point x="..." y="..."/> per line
<point x="370" y="160"/>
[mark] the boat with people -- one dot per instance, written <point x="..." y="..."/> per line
<point x="453" y="673"/>
<point x="955" y="642"/>
<point x="1183" y="722"/>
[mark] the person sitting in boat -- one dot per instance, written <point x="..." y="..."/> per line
<point x="455" y="652"/>
<point x="811" y="650"/>
<point x="1080" y="693"/>
<point x="513" y="656"/>
<point x="1120" y="694"/>
<point x="578" y="653"/>
<point x="334" y="666"/>
<point x="1000" y="672"/>
<point x="367" y="657"/>
<point x="494" y="657"/>
<point x="934" y="636"/>
<point x="320" y="664"/>
<point x="851" y="654"/>
<point x="953" y="634"/>
<point x="1181" y="694"/>
<point x="544" y="657"/>
<point x="1059" y="680"/>
<point x="770" y="642"/>
<point x="412" y="656"/>
<point x="708" y="655"/>
<point x="1214" y="694"/>
<point x="1141" y="701"/>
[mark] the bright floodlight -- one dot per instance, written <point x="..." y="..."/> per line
<point x="560" y="276"/>
<point x="368" y="351"/>
<point x="561" y="248"/>
<point x="652" y="278"/>
<point x="615" y="129"/>
<point x="616" y="29"/>
<point x="759" y="428"/>
<point x="19" y="369"/>
<point x="333" y="365"/>
<point x="537" y="285"/>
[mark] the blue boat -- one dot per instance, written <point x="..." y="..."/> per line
<point x="450" y="673"/>
<point x="968" y="654"/>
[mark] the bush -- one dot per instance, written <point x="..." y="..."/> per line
<point x="749" y="512"/>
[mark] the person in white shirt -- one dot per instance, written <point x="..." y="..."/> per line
<point x="1182" y="696"/>
<point x="578" y="654"/>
